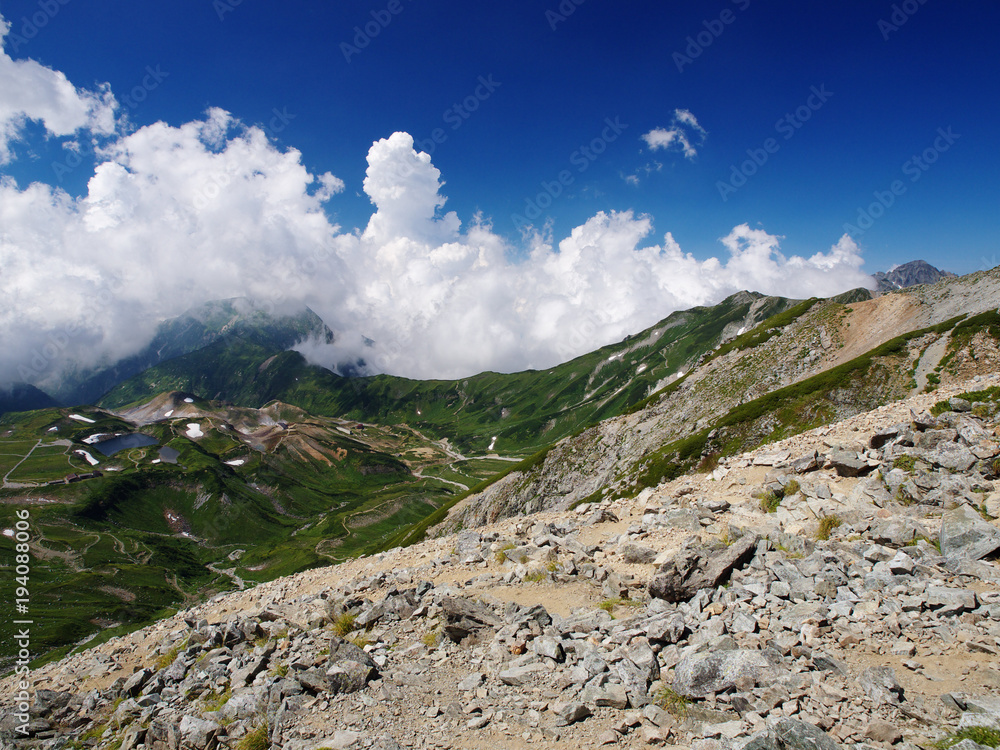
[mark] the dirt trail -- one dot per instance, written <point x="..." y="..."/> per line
<point x="928" y="361"/>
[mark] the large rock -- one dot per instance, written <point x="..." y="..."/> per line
<point x="702" y="674"/>
<point x="848" y="464"/>
<point x="198" y="734"/>
<point x="792" y="734"/>
<point x="880" y="684"/>
<point x="964" y="534"/>
<point x="466" y="617"/>
<point x="694" y="569"/>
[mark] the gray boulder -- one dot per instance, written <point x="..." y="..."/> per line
<point x="792" y="734"/>
<point x="964" y="534"/>
<point x="880" y="684"/>
<point x="702" y="674"/>
<point x="700" y="568"/>
<point x="198" y="734"/>
<point x="466" y="617"/>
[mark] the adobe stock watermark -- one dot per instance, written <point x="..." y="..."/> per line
<point x="225" y="7"/>
<point x="21" y="620"/>
<point x="457" y="114"/>
<point x="713" y="29"/>
<point x="151" y="80"/>
<point x="901" y="13"/>
<point x="216" y="182"/>
<point x="787" y="126"/>
<point x="562" y="12"/>
<point x="581" y="158"/>
<point x="31" y="25"/>
<point x="363" y="35"/>
<point x="914" y="168"/>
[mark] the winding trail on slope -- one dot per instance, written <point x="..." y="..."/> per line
<point x="930" y="358"/>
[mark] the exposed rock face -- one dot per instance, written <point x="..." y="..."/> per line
<point x="910" y="274"/>
<point x="539" y="632"/>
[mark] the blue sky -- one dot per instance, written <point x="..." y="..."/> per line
<point x="890" y="95"/>
<point x="798" y="116"/>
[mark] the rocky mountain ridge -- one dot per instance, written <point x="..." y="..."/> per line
<point x="881" y="346"/>
<point x="863" y="611"/>
<point x="910" y="274"/>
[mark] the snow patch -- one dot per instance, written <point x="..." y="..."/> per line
<point x="78" y="418"/>
<point x="8" y="532"/>
<point x="680" y="374"/>
<point x="640" y="369"/>
<point x="189" y="401"/>
<point x="741" y="331"/>
<point x="90" y="459"/>
<point x="95" y="438"/>
<point x="54" y="429"/>
<point x="169" y="413"/>
<point x="155" y="461"/>
<point x="194" y="430"/>
<point x="236" y="462"/>
<point x="492" y="443"/>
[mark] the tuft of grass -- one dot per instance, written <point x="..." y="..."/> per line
<point x="609" y="605"/>
<point x="792" y="488"/>
<point x="826" y="526"/>
<point x="770" y="501"/>
<point x="672" y="702"/>
<point x="501" y="554"/>
<point x="344" y="624"/>
<point x="168" y="658"/>
<point x="708" y="463"/>
<point x="980" y="735"/>
<point x="430" y="638"/>
<point x="906" y="463"/>
<point x="535" y="576"/>
<point x="255" y="739"/>
<point x="215" y="701"/>
<point x="360" y="640"/>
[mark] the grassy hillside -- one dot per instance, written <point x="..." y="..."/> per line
<point x="523" y="411"/>
<point x="252" y="494"/>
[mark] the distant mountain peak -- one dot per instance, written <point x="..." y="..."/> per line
<point x="910" y="274"/>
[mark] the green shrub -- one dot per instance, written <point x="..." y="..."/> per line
<point x="980" y="735"/>
<point x="792" y="488"/>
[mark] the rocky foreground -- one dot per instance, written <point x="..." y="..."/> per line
<point x="862" y="611"/>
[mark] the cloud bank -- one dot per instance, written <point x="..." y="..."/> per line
<point x="175" y="216"/>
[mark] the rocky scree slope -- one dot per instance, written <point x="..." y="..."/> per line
<point x="863" y="612"/>
<point x="876" y="344"/>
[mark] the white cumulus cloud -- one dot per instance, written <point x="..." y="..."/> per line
<point x="174" y="216"/>
<point x="684" y="134"/>
<point x="29" y="91"/>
